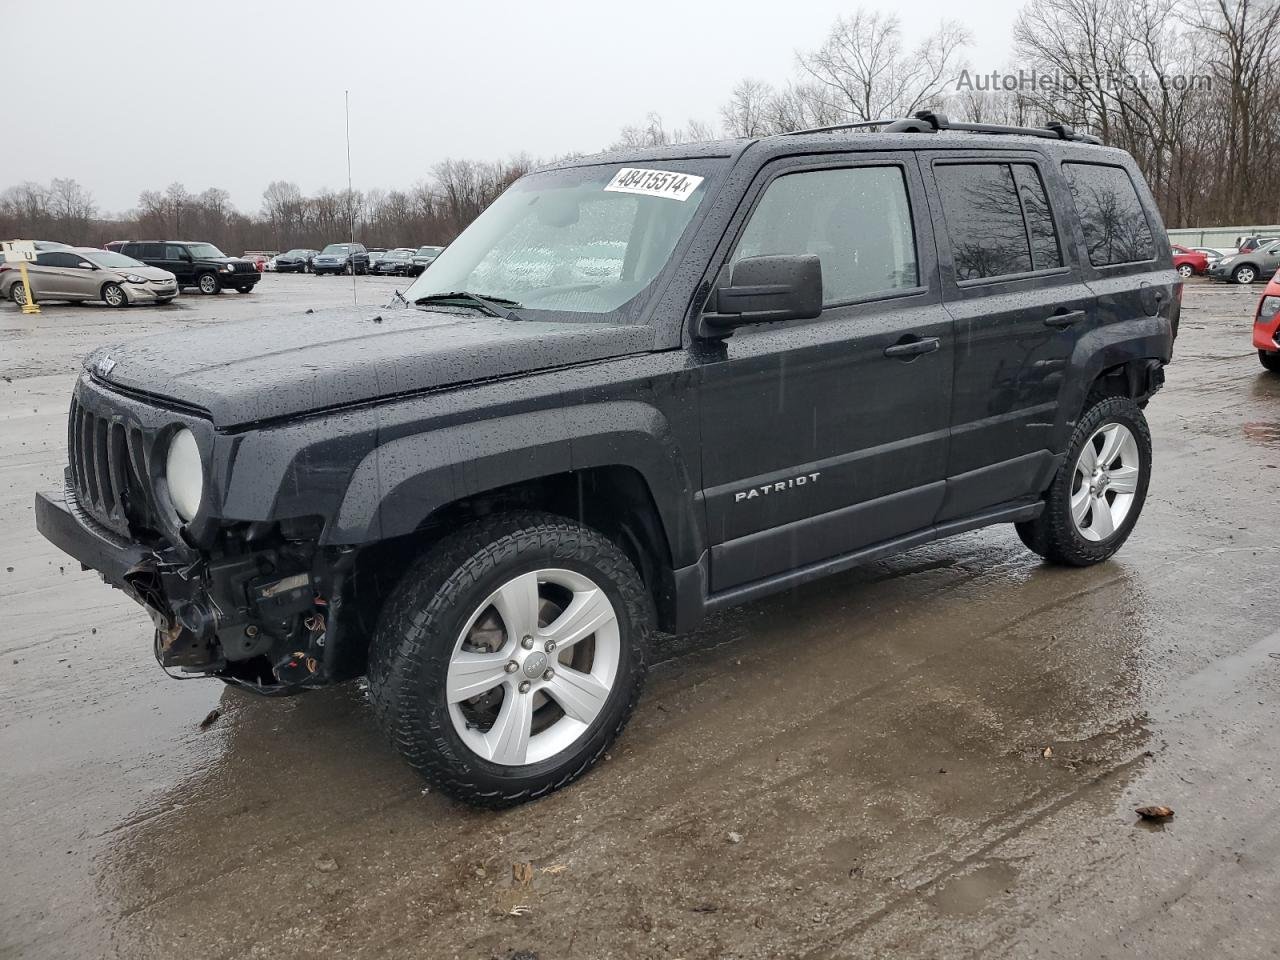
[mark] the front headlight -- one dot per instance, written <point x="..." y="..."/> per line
<point x="134" y="278"/>
<point x="1267" y="309"/>
<point x="227" y="267"/>
<point x="184" y="474"/>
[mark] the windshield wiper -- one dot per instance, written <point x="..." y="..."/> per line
<point x="493" y="306"/>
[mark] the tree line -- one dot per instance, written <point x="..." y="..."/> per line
<point x="1183" y="86"/>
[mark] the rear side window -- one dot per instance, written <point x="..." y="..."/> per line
<point x="857" y="221"/>
<point x="998" y="219"/>
<point x="1115" y="226"/>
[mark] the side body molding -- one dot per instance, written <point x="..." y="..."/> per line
<point x="400" y="483"/>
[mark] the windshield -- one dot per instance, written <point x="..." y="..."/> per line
<point x="575" y="240"/>
<point x="203" y="251"/>
<point x="107" y="258"/>
<point x="336" y="248"/>
<point x="429" y="251"/>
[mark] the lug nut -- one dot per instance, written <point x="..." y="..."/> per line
<point x="251" y="630"/>
<point x="524" y="686"/>
<point x="549" y="674"/>
<point x="527" y="643"/>
<point x="550" y="647"/>
<point x="512" y="666"/>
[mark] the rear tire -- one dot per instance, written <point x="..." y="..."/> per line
<point x="1270" y="359"/>
<point x="18" y="293"/>
<point x="1077" y="527"/>
<point x="475" y="583"/>
<point x="245" y="289"/>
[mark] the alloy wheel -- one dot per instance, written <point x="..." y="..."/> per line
<point x="533" y="667"/>
<point x="1105" y="481"/>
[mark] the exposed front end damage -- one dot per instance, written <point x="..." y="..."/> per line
<point x="256" y="603"/>
<point x="263" y="611"/>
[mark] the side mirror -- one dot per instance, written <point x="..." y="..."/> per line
<point x="86" y="265"/>
<point x="766" y="290"/>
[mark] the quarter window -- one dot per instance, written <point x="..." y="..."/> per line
<point x="1115" y="227"/>
<point x="857" y="221"/>
<point x="998" y="219"/>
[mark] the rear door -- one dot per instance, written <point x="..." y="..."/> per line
<point x="1020" y="303"/>
<point x="815" y="441"/>
<point x="56" y="276"/>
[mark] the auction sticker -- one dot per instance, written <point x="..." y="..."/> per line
<point x="654" y="183"/>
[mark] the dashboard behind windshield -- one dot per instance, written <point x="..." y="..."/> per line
<point x="579" y="240"/>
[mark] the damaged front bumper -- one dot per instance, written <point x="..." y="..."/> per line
<point x="261" y="615"/>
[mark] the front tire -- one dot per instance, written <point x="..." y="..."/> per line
<point x="1270" y="359"/>
<point x="209" y="284"/>
<point x="510" y="656"/>
<point x="1244" y="274"/>
<point x="113" y="295"/>
<point x="1098" y="492"/>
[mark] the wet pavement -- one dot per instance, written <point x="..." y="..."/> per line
<point x="937" y="755"/>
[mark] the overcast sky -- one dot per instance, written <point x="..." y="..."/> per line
<point x="127" y="96"/>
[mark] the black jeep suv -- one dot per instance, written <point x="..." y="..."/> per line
<point x="200" y="265"/>
<point x="641" y="387"/>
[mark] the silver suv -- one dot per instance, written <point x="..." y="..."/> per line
<point x="87" y="273"/>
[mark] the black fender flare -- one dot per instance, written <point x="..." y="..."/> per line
<point x="399" y="484"/>
<point x="1103" y="348"/>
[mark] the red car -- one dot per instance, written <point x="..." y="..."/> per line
<point x="1266" y="326"/>
<point x="1189" y="262"/>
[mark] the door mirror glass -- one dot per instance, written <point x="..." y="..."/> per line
<point x="767" y="290"/>
<point x="86" y="265"/>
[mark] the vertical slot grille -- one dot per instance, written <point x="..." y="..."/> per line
<point x="108" y="467"/>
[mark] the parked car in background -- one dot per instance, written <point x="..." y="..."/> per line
<point x="1211" y="254"/>
<point x="259" y="258"/>
<point x="200" y="265"/>
<point x="88" y="273"/>
<point x="50" y="245"/>
<point x="297" y="260"/>
<point x="423" y="258"/>
<point x="394" y="263"/>
<point x="1266" y="326"/>
<point x="341" y="258"/>
<point x="1189" y="262"/>
<point x="114" y="245"/>
<point x="1249" y="244"/>
<point x="270" y="267"/>
<point x="1258" y="264"/>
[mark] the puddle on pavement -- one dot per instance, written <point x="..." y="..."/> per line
<point x="972" y="891"/>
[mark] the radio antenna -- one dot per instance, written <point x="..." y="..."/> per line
<point x="351" y="203"/>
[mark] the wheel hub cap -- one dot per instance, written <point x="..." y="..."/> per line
<point x="533" y="667"/>
<point x="1105" y="481"/>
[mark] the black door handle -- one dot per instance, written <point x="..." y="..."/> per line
<point x="912" y="348"/>
<point x="1063" y="318"/>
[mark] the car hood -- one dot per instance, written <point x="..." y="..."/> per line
<point x="264" y="369"/>
<point x="151" y="273"/>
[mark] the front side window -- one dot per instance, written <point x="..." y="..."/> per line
<point x="856" y="220"/>
<point x="578" y="240"/>
<point x="1115" y="226"/>
<point x="173" y="252"/>
<point x="112" y="260"/>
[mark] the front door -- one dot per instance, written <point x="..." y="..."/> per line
<point x="1020" y="304"/>
<point x="824" y="436"/>
<point x="178" y="262"/>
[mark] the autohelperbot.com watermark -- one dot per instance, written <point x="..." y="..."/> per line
<point x="1034" y="80"/>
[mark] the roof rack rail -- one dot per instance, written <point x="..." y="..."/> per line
<point x="926" y="121"/>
